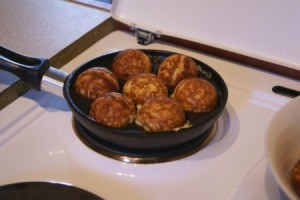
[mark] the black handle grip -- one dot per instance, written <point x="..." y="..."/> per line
<point x="30" y="70"/>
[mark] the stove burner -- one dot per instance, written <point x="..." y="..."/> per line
<point x="142" y="156"/>
<point x="44" y="190"/>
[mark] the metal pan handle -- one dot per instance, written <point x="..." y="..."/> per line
<point x="30" y="70"/>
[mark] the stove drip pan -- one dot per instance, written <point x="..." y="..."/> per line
<point x="45" y="191"/>
<point x="142" y="156"/>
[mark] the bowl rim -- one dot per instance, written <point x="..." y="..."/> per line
<point x="289" y="191"/>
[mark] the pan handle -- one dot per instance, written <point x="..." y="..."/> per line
<point x="30" y="70"/>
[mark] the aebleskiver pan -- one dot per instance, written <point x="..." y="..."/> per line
<point x="38" y="74"/>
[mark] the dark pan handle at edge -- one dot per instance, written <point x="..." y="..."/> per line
<point x="30" y="70"/>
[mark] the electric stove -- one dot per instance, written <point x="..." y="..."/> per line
<point x="39" y="140"/>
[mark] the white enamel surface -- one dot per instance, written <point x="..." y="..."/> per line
<point x="37" y="142"/>
<point x="267" y="30"/>
<point x="283" y="144"/>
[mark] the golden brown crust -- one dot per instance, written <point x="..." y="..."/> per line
<point x="95" y="82"/>
<point x="195" y="95"/>
<point x="112" y="109"/>
<point x="176" y="68"/>
<point x="160" y="114"/>
<point x="295" y="178"/>
<point x="142" y="87"/>
<point x="130" y="62"/>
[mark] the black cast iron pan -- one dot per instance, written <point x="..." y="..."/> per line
<point x="37" y="72"/>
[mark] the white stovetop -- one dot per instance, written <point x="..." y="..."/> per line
<point x="37" y="142"/>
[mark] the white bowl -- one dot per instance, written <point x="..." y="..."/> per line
<point x="282" y="145"/>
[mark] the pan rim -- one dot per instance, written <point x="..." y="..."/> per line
<point x="138" y="133"/>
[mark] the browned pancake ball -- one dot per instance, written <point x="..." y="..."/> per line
<point x="112" y="109"/>
<point x="160" y="114"/>
<point x="195" y="95"/>
<point x="295" y="178"/>
<point x="176" y="68"/>
<point x="142" y="87"/>
<point x="130" y="62"/>
<point x="95" y="82"/>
